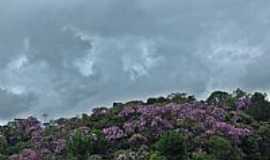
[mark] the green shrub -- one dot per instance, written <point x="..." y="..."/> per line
<point x="94" y="157"/>
<point x="222" y="149"/>
<point x="245" y="118"/>
<point x="132" y="154"/>
<point x="181" y="98"/>
<point x="250" y="147"/>
<point x="202" y="156"/>
<point x="82" y="146"/>
<point x="18" y="147"/>
<point x="105" y="121"/>
<point x="172" y="145"/>
<point x="3" y="145"/>
<point x="156" y="100"/>
<point x="3" y="157"/>
<point x="264" y="132"/>
<point x="260" y="109"/>
<point x="157" y="156"/>
<point x="218" y="98"/>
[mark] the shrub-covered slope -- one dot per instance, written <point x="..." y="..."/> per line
<point x="226" y="126"/>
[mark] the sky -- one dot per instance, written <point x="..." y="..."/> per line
<point x="64" y="57"/>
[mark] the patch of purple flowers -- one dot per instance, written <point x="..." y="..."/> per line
<point x="113" y="133"/>
<point x="243" y="103"/>
<point x="158" y="119"/>
<point x="26" y="154"/>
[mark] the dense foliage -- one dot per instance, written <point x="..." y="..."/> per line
<point x="227" y="126"/>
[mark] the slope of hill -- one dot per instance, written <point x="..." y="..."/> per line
<point x="226" y="126"/>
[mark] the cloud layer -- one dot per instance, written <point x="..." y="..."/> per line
<point x="64" y="57"/>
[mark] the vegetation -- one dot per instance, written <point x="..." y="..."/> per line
<point x="172" y="145"/>
<point x="226" y="126"/>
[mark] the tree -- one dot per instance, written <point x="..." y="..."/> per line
<point x="156" y="100"/>
<point x="260" y="109"/>
<point x="218" y="98"/>
<point x="172" y="145"/>
<point x="82" y="145"/>
<point x="181" y="98"/>
<point x="202" y="156"/>
<point x="238" y="93"/>
<point x="264" y="132"/>
<point x="222" y="149"/>
<point x="3" y="145"/>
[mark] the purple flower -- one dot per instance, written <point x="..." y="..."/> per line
<point x="231" y="131"/>
<point x="113" y="133"/>
<point x="59" y="145"/>
<point x="243" y="103"/>
<point x="26" y="154"/>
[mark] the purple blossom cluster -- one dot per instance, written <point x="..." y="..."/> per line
<point x="232" y="131"/>
<point x="58" y="146"/>
<point x="50" y="145"/>
<point x="43" y="145"/>
<point x="30" y="126"/>
<point x="158" y="119"/>
<point x="113" y="133"/>
<point x="140" y="118"/>
<point x="243" y="103"/>
<point x="26" y="154"/>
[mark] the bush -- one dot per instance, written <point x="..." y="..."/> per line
<point x="3" y="145"/>
<point x="250" y="147"/>
<point x="157" y="156"/>
<point x="218" y="98"/>
<point x="264" y="132"/>
<point x="222" y="149"/>
<point x="105" y="121"/>
<point x="3" y="157"/>
<point x="94" y="157"/>
<point x="82" y="146"/>
<point x="260" y="108"/>
<point x="18" y="147"/>
<point x="172" y="145"/>
<point x="132" y="154"/>
<point x="202" y="156"/>
<point x="181" y="98"/>
<point x="156" y="100"/>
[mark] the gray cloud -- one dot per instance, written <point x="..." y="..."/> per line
<point x="72" y="55"/>
<point x="13" y="104"/>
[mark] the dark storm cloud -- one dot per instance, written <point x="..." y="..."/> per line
<point x="75" y="54"/>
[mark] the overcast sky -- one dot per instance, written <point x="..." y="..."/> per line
<point x="63" y="57"/>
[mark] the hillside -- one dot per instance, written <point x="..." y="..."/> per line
<point x="226" y="126"/>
